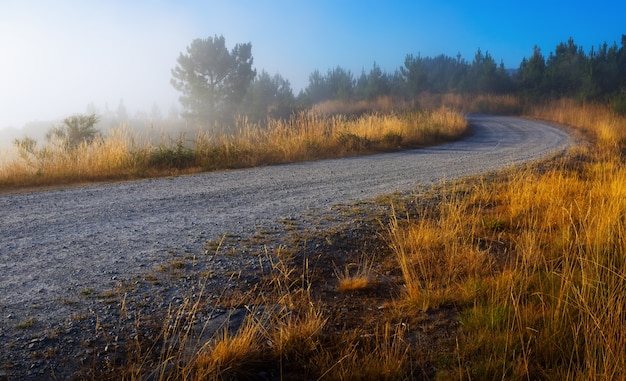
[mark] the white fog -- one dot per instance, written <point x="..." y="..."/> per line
<point x="75" y="57"/>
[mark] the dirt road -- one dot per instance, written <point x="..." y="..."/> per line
<point x="55" y="245"/>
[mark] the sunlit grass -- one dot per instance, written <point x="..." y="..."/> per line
<point x="438" y="254"/>
<point x="381" y="105"/>
<point x="231" y="356"/>
<point x="356" y="276"/>
<point x="104" y="159"/>
<point x="534" y="262"/>
<point x="507" y="104"/>
<point x="593" y="119"/>
<point x="121" y="154"/>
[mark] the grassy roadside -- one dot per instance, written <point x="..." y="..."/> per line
<point x="533" y="262"/>
<point x="311" y="135"/>
<point x="516" y="275"/>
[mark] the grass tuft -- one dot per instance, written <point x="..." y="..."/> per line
<point x="362" y="278"/>
<point x="25" y="324"/>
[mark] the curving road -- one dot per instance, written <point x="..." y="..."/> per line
<point x="54" y="244"/>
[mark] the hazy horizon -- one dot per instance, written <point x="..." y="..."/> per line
<point x="60" y="57"/>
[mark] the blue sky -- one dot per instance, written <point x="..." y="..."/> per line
<point x="58" y="56"/>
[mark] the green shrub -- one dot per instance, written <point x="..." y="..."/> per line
<point x="353" y="142"/>
<point x="392" y="139"/>
<point x="178" y="156"/>
<point x="618" y="104"/>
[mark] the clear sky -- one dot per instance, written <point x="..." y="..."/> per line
<point x="57" y="56"/>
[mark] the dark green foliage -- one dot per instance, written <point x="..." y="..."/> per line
<point x="392" y="140"/>
<point x="566" y="69"/>
<point x="174" y="157"/>
<point x="317" y="90"/>
<point x="494" y="224"/>
<point x="484" y="76"/>
<point x="217" y="84"/>
<point x="212" y="80"/>
<point x="605" y="69"/>
<point x="75" y="130"/>
<point x="415" y="74"/>
<point x="618" y="104"/>
<point x="373" y="85"/>
<point x="531" y="74"/>
<point x="444" y="74"/>
<point x="338" y="83"/>
<point x="352" y="142"/>
<point x="268" y="97"/>
<point x="570" y="72"/>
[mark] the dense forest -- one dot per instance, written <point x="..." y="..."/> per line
<point x="566" y="72"/>
<point x="232" y="87"/>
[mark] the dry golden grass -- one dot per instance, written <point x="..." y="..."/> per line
<point x="103" y="159"/>
<point x="438" y="254"/>
<point x="593" y="119"/>
<point x="384" y="105"/>
<point x="385" y="357"/>
<point x="306" y="136"/>
<point x="310" y="136"/>
<point x="479" y="103"/>
<point x="296" y="337"/>
<point x="231" y="356"/>
<point x="356" y="276"/>
<point x="535" y="262"/>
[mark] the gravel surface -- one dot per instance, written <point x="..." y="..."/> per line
<point x="58" y="246"/>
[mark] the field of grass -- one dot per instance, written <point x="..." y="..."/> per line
<point x="310" y="135"/>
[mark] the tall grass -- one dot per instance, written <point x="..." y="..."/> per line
<point x="535" y="262"/>
<point x="437" y="254"/>
<point x="384" y="105"/>
<point x="596" y="120"/>
<point x="104" y="159"/>
<point x="507" y="104"/>
<point x="306" y="136"/>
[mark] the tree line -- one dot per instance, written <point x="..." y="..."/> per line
<point x="217" y="84"/>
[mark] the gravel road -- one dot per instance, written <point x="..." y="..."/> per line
<point x="55" y="244"/>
